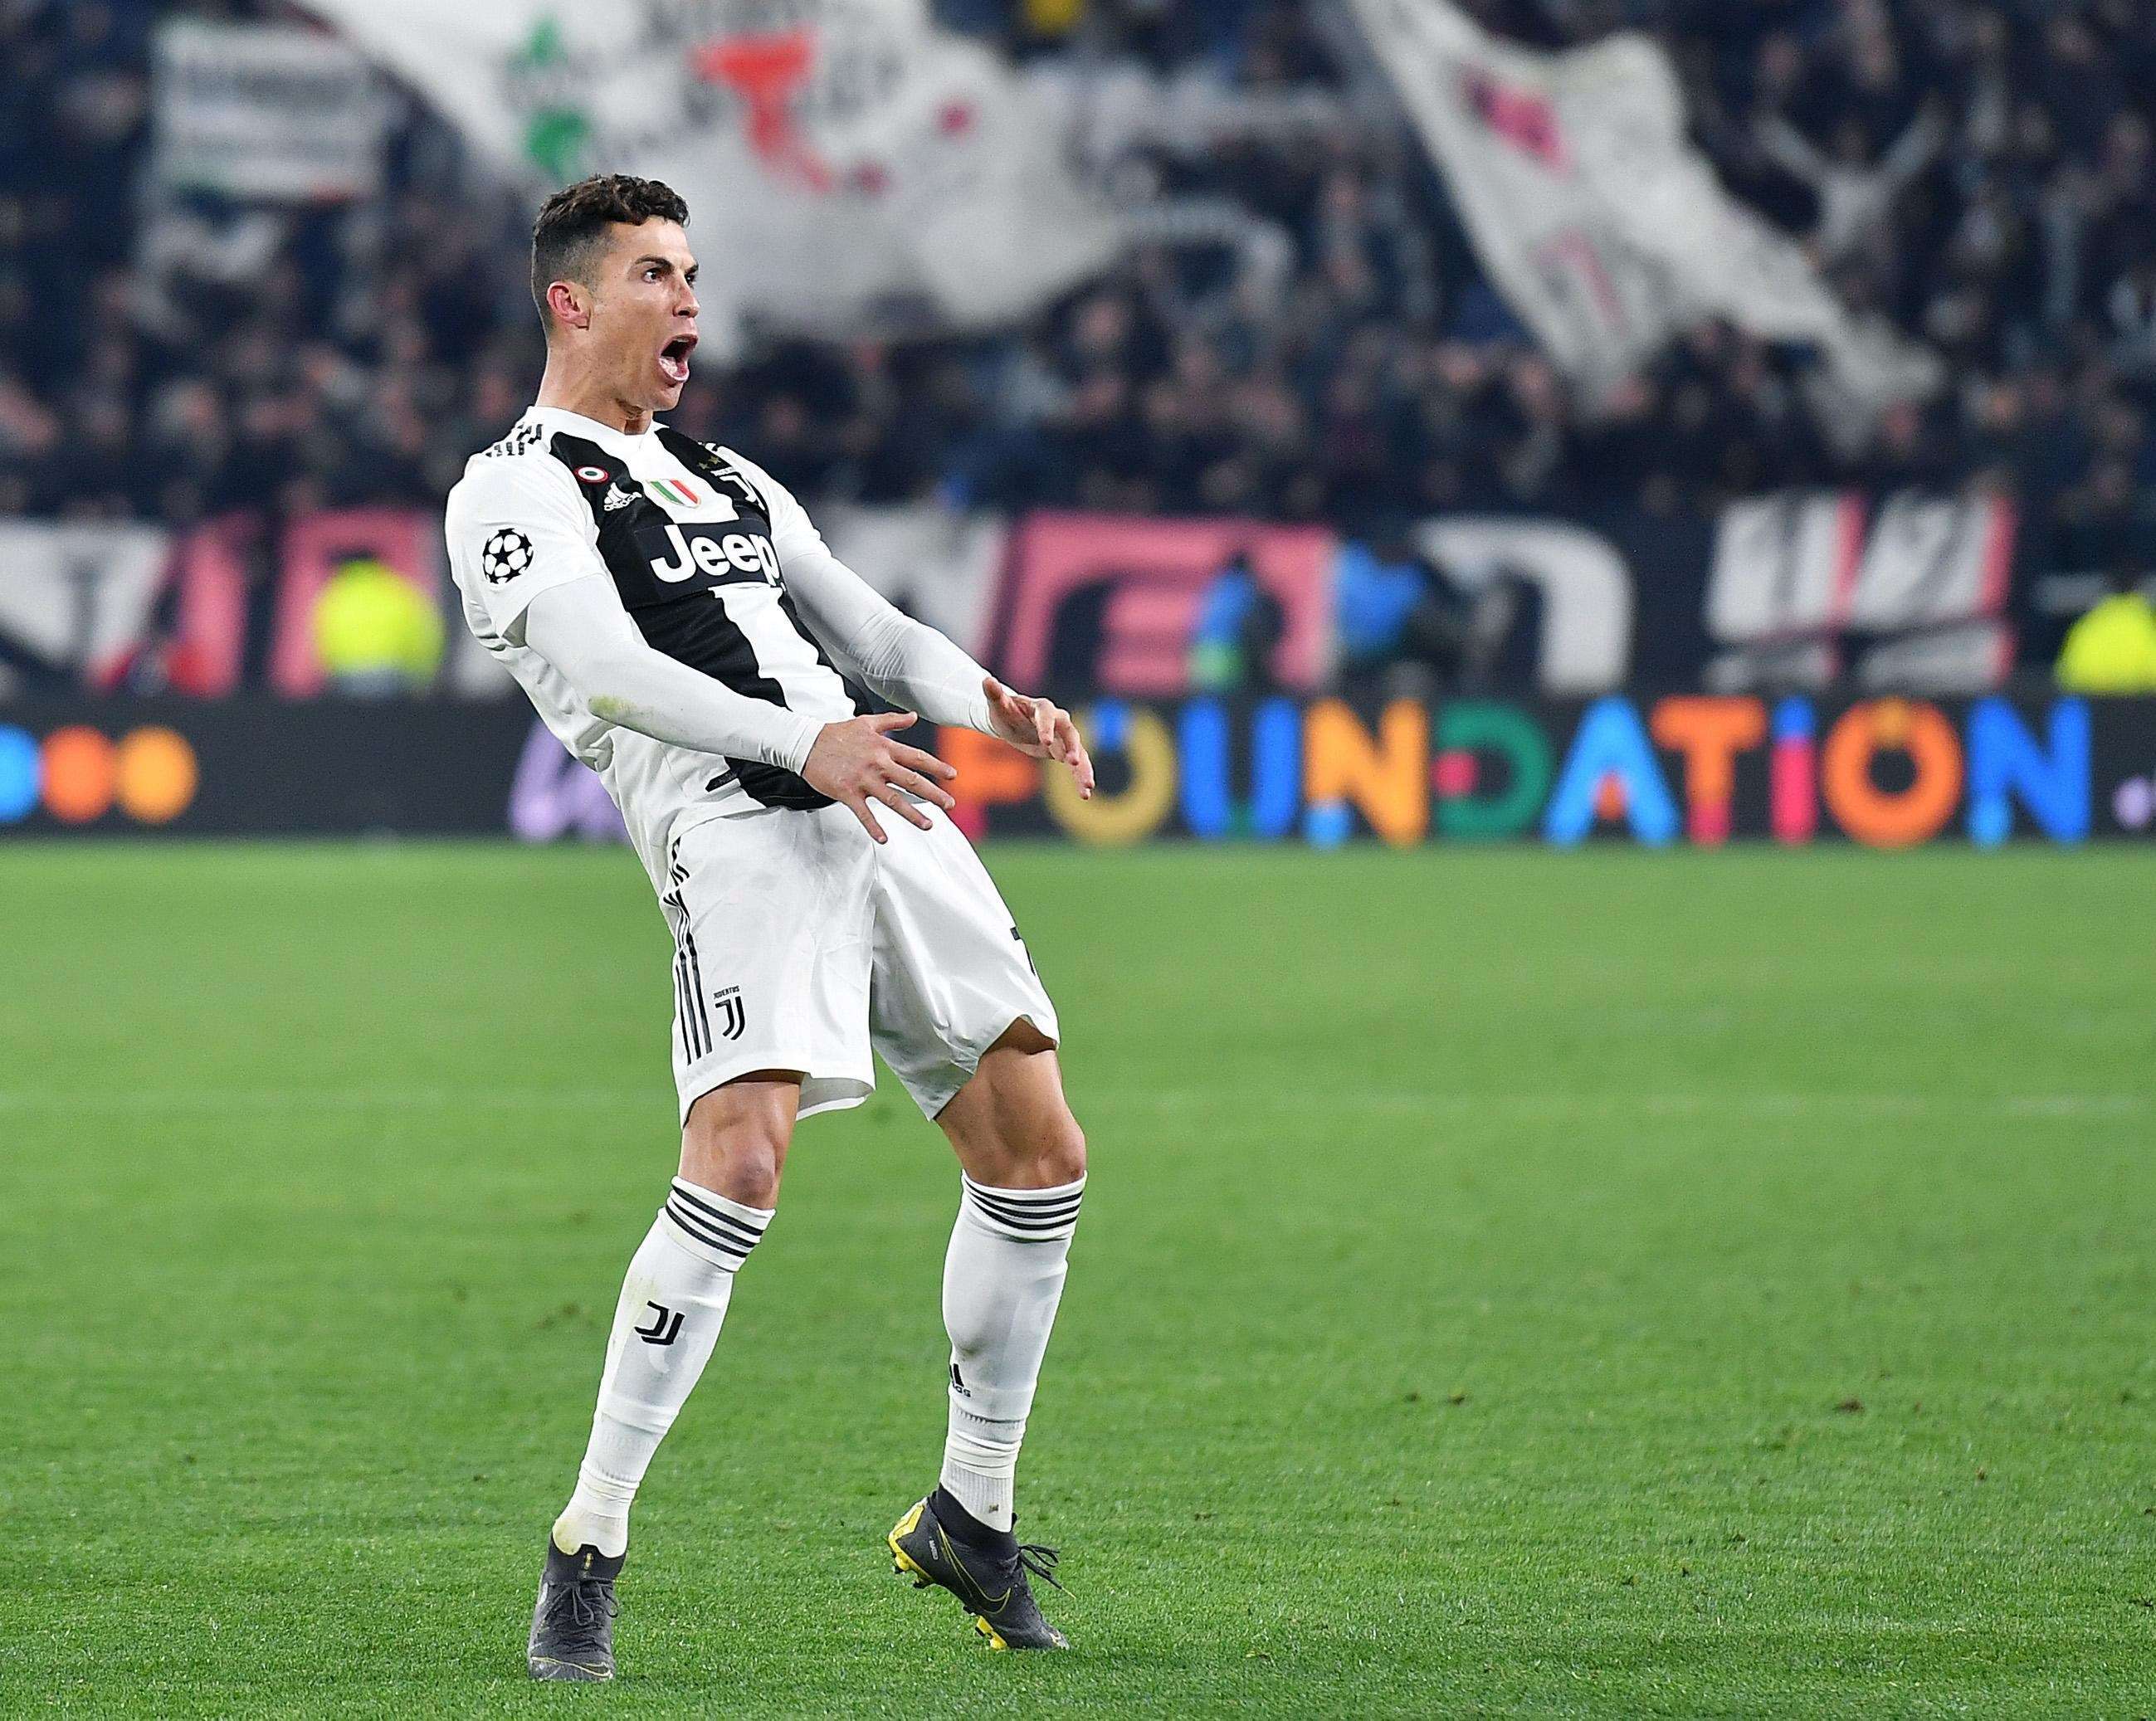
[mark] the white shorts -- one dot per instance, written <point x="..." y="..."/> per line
<point x="799" y="944"/>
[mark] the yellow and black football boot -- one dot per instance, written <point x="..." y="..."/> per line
<point x="990" y="1571"/>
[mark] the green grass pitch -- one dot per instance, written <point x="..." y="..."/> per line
<point x="1511" y="1283"/>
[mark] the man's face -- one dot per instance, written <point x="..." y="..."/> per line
<point x="643" y="312"/>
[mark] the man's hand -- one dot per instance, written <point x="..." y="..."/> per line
<point x="1040" y="727"/>
<point x="856" y="762"/>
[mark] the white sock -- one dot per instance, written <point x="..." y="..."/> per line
<point x="673" y="1303"/>
<point x="1002" y="1280"/>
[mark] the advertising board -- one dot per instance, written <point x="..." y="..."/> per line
<point x="1686" y="768"/>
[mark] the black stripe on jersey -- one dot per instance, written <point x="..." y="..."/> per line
<point x="684" y="622"/>
<point x="688" y="979"/>
<point x="680" y="1014"/>
<point x="768" y="784"/>
<point x="696" y="975"/>
<point x="690" y="1050"/>
<point x="702" y="458"/>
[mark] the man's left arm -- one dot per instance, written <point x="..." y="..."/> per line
<point x="906" y="661"/>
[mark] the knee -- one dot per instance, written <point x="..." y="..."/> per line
<point x="745" y="1167"/>
<point x="1059" y="1154"/>
<point x="738" y="1155"/>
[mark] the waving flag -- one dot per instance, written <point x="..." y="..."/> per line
<point x="849" y="168"/>
<point x="1603" y="228"/>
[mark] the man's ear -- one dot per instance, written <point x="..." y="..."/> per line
<point x="570" y="305"/>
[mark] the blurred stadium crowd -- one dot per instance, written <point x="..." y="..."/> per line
<point x="1984" y="171"/>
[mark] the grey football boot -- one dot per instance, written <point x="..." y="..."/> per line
<point x="572" y="1623"/>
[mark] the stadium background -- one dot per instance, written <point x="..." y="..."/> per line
<point x="1658" y="1283"/>
<point x="223" y="379"/>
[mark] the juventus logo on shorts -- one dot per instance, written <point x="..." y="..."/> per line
<point x="733" y="1017"/>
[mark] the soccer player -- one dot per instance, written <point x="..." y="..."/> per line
<point x="679" y="625"/>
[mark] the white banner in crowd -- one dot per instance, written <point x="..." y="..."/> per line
<point x="1807" y="587"/>
<point x="1585" y="585"/>
<point x="264" y="111"/>
<point x="849" y="168"/>
<point x="79" y="597"/>
<point x="937" y="564"/>
<point x="1600" y="223"/>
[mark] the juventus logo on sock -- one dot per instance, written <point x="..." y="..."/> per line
<point x="665" y="1325"/>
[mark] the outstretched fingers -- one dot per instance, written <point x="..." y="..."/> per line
<point x="1069" y="746"/>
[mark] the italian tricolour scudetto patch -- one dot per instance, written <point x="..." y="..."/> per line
<point x="674" y="491"/>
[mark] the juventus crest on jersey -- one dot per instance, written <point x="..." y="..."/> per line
<point x="697" y="541"/>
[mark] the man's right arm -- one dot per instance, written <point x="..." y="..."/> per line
<point x="582" y="630"/>
<point x="522" y="541"/>
<point x="525" y="549"/>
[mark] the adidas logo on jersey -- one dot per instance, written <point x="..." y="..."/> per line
<point x="617" y="498"/>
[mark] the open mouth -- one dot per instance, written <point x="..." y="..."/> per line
<point x="673" y="358"/>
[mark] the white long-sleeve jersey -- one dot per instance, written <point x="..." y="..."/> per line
<point x="677" y="619"/>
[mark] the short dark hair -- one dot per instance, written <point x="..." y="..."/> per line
<point x="571" y="230"/>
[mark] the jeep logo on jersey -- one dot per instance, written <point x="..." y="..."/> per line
<point x="692" y="551"/>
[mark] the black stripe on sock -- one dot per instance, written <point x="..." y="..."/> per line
<point x="1028" y="1221"/>
<point x="1025" y="1201"/>
<point x="708" y="1234"/>
<point x="736" y="1253"/>
<point x="705" y="1231"/>
<point x="750" y="1231"/>
<point x="1039" y="1216"/>
<point x="999" y="1199"/>
<point x="1043" y="1226"/>
<point x="1016" y="1211"/>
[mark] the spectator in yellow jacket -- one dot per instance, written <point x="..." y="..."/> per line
<point x="379" y="635"/>
<point x="2113" y="649"/>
